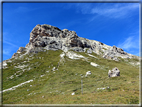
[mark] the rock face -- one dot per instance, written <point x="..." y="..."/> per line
<point x="47" y="37"/>
<point x="114" y="72"/>
<point x="115" y="52"/>
<point x="52" y="38"/>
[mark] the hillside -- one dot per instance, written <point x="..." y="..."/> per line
<point x="50" y="69"/>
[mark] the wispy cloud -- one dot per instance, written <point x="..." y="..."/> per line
<point x="23" y="9"/>
<point x="111" y="10"/>
<point x="130" y="43"/>
<point x="7" y="40"/>
<point x="9" y="43"/>
<point x="6" y="52"/>
<point x="8" y="49"/>
<point x="117" y="11"/>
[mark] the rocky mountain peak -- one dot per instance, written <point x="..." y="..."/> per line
<point x="43" y="35"/>
<point x="47" y="37"/>
<point x="50" y="31"/>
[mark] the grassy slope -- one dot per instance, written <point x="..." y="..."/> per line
<point x="56" y="87"/>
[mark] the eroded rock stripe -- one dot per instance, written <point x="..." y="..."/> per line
<point x="14" y="87"/>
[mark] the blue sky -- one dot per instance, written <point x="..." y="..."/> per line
<point x="111" y="23"/>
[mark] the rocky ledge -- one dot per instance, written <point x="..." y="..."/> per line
<point x="47" y="37"/>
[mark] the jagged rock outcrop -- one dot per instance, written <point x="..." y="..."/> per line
<point x="52" y="38"/>
<point x="47" y="37"/>
<point x="114" y="52"/>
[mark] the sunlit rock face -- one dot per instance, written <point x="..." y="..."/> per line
<point x="47" y="37"/>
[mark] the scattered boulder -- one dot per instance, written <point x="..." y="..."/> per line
<point x="101" y="88"/>
<point x="73" y="93"/>
<point x="53" y="69"/>
<point x="47" y="71"/>
<point x="88" y="73"/>
<point x="114" y="72"/>
<point x="94" y="64"/>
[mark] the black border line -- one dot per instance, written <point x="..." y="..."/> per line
<point x="70" y="1"/>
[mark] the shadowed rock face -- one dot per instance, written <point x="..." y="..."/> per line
<point x="47" y="37"/>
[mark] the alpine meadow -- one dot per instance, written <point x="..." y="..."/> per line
<point x="59" y="67"/>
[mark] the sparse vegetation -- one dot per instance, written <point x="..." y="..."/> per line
<point x="104" y="48"/>
<point x="57" y="86"/>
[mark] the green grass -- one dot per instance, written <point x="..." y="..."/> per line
<point x="57" y="87"/>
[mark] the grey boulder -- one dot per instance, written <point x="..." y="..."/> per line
<point x="114" y="72"/>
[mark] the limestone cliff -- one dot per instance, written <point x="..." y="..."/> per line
<point x="47" y="37"/>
